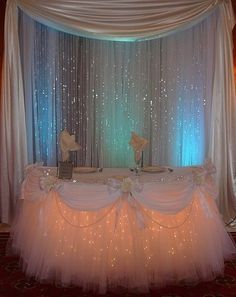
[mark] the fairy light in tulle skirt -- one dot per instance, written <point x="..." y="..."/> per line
<point x="63" y="214"/>
<point x="139" y="208"/>
<point x="121" y="238"/>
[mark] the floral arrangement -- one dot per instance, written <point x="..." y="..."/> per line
<point x="127" y="185"/>
<point x="48" y="182"/>
<point x="67" y="144"/>
<point x="138" y="143"/>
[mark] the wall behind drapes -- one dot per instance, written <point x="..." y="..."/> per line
<point x="2" y="13"/>
<point x="234" y="38"/>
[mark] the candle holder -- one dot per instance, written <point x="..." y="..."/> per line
<point x="137" y="168"/>
<point x="138" y="162"/>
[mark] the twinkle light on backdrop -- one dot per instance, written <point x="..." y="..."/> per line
<point x="102" y="90"/>
<point x="102" y="69"/>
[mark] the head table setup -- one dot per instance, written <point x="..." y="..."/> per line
<point x="89" y="206"/>
<point x="112" y="227"/>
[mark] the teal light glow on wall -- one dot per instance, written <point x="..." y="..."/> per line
<point x="101" y="91"/>
<point x="117" y="125"/>
<point x="190" y="136"/>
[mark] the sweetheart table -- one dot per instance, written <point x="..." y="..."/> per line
<point x="103" y="230"/>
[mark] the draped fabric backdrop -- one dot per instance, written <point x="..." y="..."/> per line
<point x="102" y="90"/>
<point x="103" y="69"/>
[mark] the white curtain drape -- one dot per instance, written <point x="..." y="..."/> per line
<point x="118" y="20"/>
<point x="102" y="90"/>
<point x="121" y="21"/>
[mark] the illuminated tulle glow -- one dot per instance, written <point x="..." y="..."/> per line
<point x="74" y="238"/>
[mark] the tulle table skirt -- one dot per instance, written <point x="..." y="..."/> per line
<point x="116" y="246"/>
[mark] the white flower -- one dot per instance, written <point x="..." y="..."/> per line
<point x="48" y="182"/>
<point x="126" y="185"/>
<point x="198" y="176"/>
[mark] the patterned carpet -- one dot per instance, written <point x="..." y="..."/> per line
<point x="14" y="283"/>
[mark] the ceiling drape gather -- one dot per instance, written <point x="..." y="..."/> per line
<point x="118" y="20"/>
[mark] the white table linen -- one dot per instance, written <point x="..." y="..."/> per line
<point x="110" y="229"/>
